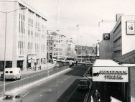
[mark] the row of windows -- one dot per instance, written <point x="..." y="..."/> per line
<point x="57" y="53"/>
<point x="21" y="26"/>
<point x="58" y="49"/>
<point x="21" y="47"/>
<point x="30" y="22"/>
<point x="30" y="25"/>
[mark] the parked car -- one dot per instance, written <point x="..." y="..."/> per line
<point x="12" y="73"/>
<point x="83" y="84"/>
<point x="12" y="98"/>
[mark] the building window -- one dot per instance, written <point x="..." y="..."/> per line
<point x="21" y="23"/>
<point x="20" y="47"/>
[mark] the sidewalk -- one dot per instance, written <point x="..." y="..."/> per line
<point x="44" y="67"/>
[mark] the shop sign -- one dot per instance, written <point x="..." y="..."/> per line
<point x="31" y="58"/>
<point x="106" y="36"/>
<point x="110" y="74"/>
<point x="130" y="27"/>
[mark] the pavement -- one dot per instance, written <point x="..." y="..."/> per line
<point x="36" y="83"/>
<point x="30" y="71"/>
<point x="44" y="67"/>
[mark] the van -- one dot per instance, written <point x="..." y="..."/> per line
<point x="12" y="73"/>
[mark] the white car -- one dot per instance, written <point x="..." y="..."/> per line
<point x="12" y="73"/>
<point x="12" y="98"/>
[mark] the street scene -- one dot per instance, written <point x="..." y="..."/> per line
<point x="67" y="51"/>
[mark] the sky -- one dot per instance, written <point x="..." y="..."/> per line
<point x="80" y="19"/>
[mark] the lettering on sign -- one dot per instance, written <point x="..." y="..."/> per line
<point x="111" y="74"/>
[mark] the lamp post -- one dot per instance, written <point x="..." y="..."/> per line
<point x="5" y="42"/>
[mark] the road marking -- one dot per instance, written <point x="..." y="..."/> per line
<point x="24" y="87"/>
<point x="22" y="79"/>
<point x="35" y="74"/>
<point x="41" y="95"/>
<point x="26" y="94"/>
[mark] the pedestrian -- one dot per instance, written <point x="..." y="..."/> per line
<point x="76" y="63"/>
<point x="96" y="96"/>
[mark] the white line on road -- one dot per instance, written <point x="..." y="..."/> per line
<point x="26" y="94"/>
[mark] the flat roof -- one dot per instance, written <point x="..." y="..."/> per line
<point x="128" y="65"/>
<point x="24" y="3"/>
<point x="105" y="62"/>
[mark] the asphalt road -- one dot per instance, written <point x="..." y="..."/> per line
<point x="11" y="84"/>
<point x="60" y="89"/>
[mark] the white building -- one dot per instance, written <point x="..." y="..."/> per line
<point x="59" y="49"/>
<point x="60" y="46"/>
<point x="25" y="42"/>
<point x="70" y="48"/>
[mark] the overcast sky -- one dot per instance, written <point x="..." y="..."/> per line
<point x="79" y="18"/>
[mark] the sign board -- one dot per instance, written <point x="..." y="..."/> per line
<point x="106" y="36"/>
<point x="130" y="27"/>
<point x="110" y="74"/>
<point x="31" y="58"/>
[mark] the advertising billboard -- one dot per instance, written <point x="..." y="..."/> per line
<point x="110" y="74"/>
<point x="106" y="36"/>
<point x="130" y="27"/>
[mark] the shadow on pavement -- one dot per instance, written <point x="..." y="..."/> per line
<point x="66" y="95"/>
<point x="72" y="94"/>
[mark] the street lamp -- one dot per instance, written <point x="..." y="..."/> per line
<point x="5" y="40"/>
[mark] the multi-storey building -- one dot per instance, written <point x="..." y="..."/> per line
<point x="122" y="48"/>
<point x="120" y="45"/>
<point x="85" y="53"/>
<point x="70" y="48"/>
<point x="123" y="38"/>
<point x="22" y="35"/>
<point x="59" y="46"/>
<point x="50" y="45"/>
<point x="105" y="47"/>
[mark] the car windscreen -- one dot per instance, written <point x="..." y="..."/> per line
<point x="70" y="59"/>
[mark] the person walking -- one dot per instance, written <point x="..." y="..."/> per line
<point x="96" y="96"/>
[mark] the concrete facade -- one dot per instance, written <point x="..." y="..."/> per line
<point x="60" y="46"/>
<point x="105" y="48"/>
<point x="85" y="53"/>
<point x="25" y="36"/>
<point x="122" y="41"/>
<point x="123" y="50"/>
<point x="50" y="45"/>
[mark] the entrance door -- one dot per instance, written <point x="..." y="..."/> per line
<point x="20" y="64"/>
